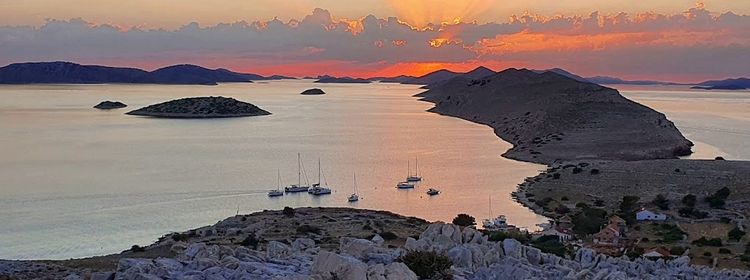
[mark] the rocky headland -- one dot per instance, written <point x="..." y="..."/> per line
<point x="201" y="107"/>
<point x="552" y="118"/>
<point x="313" y="91"/>
<point x="107" y="105"/>
<point x="342" y="243"/>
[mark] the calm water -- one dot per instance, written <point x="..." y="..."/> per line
<point x="79" y="182"/>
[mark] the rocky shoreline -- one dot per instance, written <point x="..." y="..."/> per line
<point x="200" y="108"/>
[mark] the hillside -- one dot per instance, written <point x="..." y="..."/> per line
<point x="551" y="118"/>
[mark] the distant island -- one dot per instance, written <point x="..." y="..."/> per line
<point x="73" y="73"/>
<point x="107" y="105"/>
<point x="550" y="118"/>
<point x="342" y="80"/>
<point x="728" y="84"/>
<point x="201" y="108"/>
<point x="313" y="91"/>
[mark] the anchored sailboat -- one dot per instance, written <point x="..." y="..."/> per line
<point x="415" y="177"/>
<point x="277" y="191"/>
<point x="317" y="189"/>
<point x="354" y="197"/>
<point x="499" y="223"/>
<point x="406" y="184"/>
<point x="298" y="187"/>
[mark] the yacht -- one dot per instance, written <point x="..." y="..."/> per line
<point x="354" y="197"/>
<point x="405" y="185"/>
<point x="294" y="188"/>
<point x="432" y="191"/>
<point x="317" y="189"/>
<point x="499" y="223"/>
<point x="277" y="191"/>
<point x="415" y="177"/>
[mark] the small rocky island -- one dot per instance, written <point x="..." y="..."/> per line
<point x="201" y="107"/>
<point x="313" y="91"/>
<point x="108" y="105"/>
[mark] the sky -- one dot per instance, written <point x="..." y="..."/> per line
<point x="675" y="40"/>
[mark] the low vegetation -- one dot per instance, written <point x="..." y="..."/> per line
<point x="464" y="220"/>
<point x="428" y="264"/>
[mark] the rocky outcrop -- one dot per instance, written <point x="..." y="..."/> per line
<point x="107" y="105"/>
<point x="201" y="107"/>
<point x="313" y="91"/>
<point x="552" y="118"/>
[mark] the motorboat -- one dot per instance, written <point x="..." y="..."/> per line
<point x="432" y="191"/>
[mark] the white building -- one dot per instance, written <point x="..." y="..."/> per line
<point x="646" y="215"/>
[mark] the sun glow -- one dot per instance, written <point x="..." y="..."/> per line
<point x="419" y="13"/>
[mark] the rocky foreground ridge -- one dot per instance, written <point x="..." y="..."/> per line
<point x="473" y="257"/>
<point x="552" y="118"/>
<point x="201" y="107"/>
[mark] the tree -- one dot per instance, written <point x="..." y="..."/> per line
<point x="689" y="200"/>
<point x="589" y="220"/>
<point x="464" y="220"/>
<point x="735" y="234"/>
<point x="428" y="264"/>
<point x="628" y="207"/>
<point x="288" y="211"/>
<point x="718" y="199"/>
<point x="661" y="201"/>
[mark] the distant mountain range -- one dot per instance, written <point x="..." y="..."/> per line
<point x="187" y="74"/>
<point x="729" y="84"/>
<point x="72" y="73"/>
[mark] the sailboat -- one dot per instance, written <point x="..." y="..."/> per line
<point x="316" y="188"/>
<point x="298" y="187"/>
<point x="415" y="177"/>
<point x="406" y="184"/>
<point x="354" y="197"/>
<point x="499" y="223"/>
<point x="277" y="191"/>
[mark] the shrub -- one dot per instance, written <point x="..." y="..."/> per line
<point x="677" y="250"/>
<point x="718" y="199"/>
<point x="589" y="220"/>
<point x="689" y="212"/>
<point x="387" y="235"/>
<point x="735" y="234"/>
<point x="577" y="170"/>
<point x="689" y="200"/>
<point x="288" y="211"/>
<point x="628" y="206"/>
<point x="556" y="176"/>
<point x="707" y="254"/>
<point x="633" y="255"/>
<point x="672" y="233"/>
<point x="498" y="236"/>
<point x="719" y="158"/>
<point x="661" y="201"/>
<point x="703" y="241"/>
<point x="305" y="229"/>
<point x="724" y="251"/>
<point x="599" y="203"/>
<point x="428" y="264"/>
<point x="550" y="244"/>
<point x="562" y="210"/>
<point x="581" y="205"/>
<point x="136" y="248"/>
<point x="594" y="171"/>
<point x="745" y="258"/>
<point x="250" y="241"/>
<point x="564" y="198"/>
<point x="464" y="220"/>
<point x="179" y="236"/>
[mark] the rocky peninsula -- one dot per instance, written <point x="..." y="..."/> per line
<point x="201" y="107"/>
<point x="343" y="243"/>
<point x="108" y="105"/>
<point x="552" y="118"/>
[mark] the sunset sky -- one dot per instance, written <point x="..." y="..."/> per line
<point x="666" y="40"/>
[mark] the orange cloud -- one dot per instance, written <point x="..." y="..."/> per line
<point x="420" y="13"/>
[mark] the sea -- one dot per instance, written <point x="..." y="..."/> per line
<point x="77" y="181"/>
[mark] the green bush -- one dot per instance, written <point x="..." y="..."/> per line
<point x="718" y="199"/>
<point x="464" y="220"/>
<point x="594" y="171"/>
<point x="661" y="201"/>
<point x="556" y="176"/>
<point x="304" y="229"/>
<point x="387" y="235"/>
<point x="689" y="200"/>
<point x="745" y="258"/>
<point x="735" y="234"/>
<point x="577" y="170"/>
<point x="671" y="233"/>
<point x="589" y="221"/>
<point x="136" y="248"/>
<point x="703" y="241"/>
<point x="428" y="264"/>
<point x="502" y="235"/>
<point x="707" y="254"/>
<point x="724" y="251"/>
<point x="550" y="244"/>
<point x="564" y="198"/>
<point x="677" y="250"/>
<point x="628" y="207"/>
<point x="288" y="211"/>
<point x="250" y="241"/>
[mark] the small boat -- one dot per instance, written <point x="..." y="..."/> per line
<point x="297" y="187"/>
<point x="499" y="223"/>
<point x="316" y="188"/>
<point x="277" y="191"/>
<point x="354" y="197"/>
<point x="432" y="191"/>
<point x="415" y="177"/>
<point x="405" y="185"/>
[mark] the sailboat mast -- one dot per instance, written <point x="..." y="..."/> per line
<point x="416" y="168"/>
<point x="299" y="170"/>
<point x="355" y="182"/>
<point x="489" y="198"/>
<point x="408" y="168"/>
<point x="318" y="171"/>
